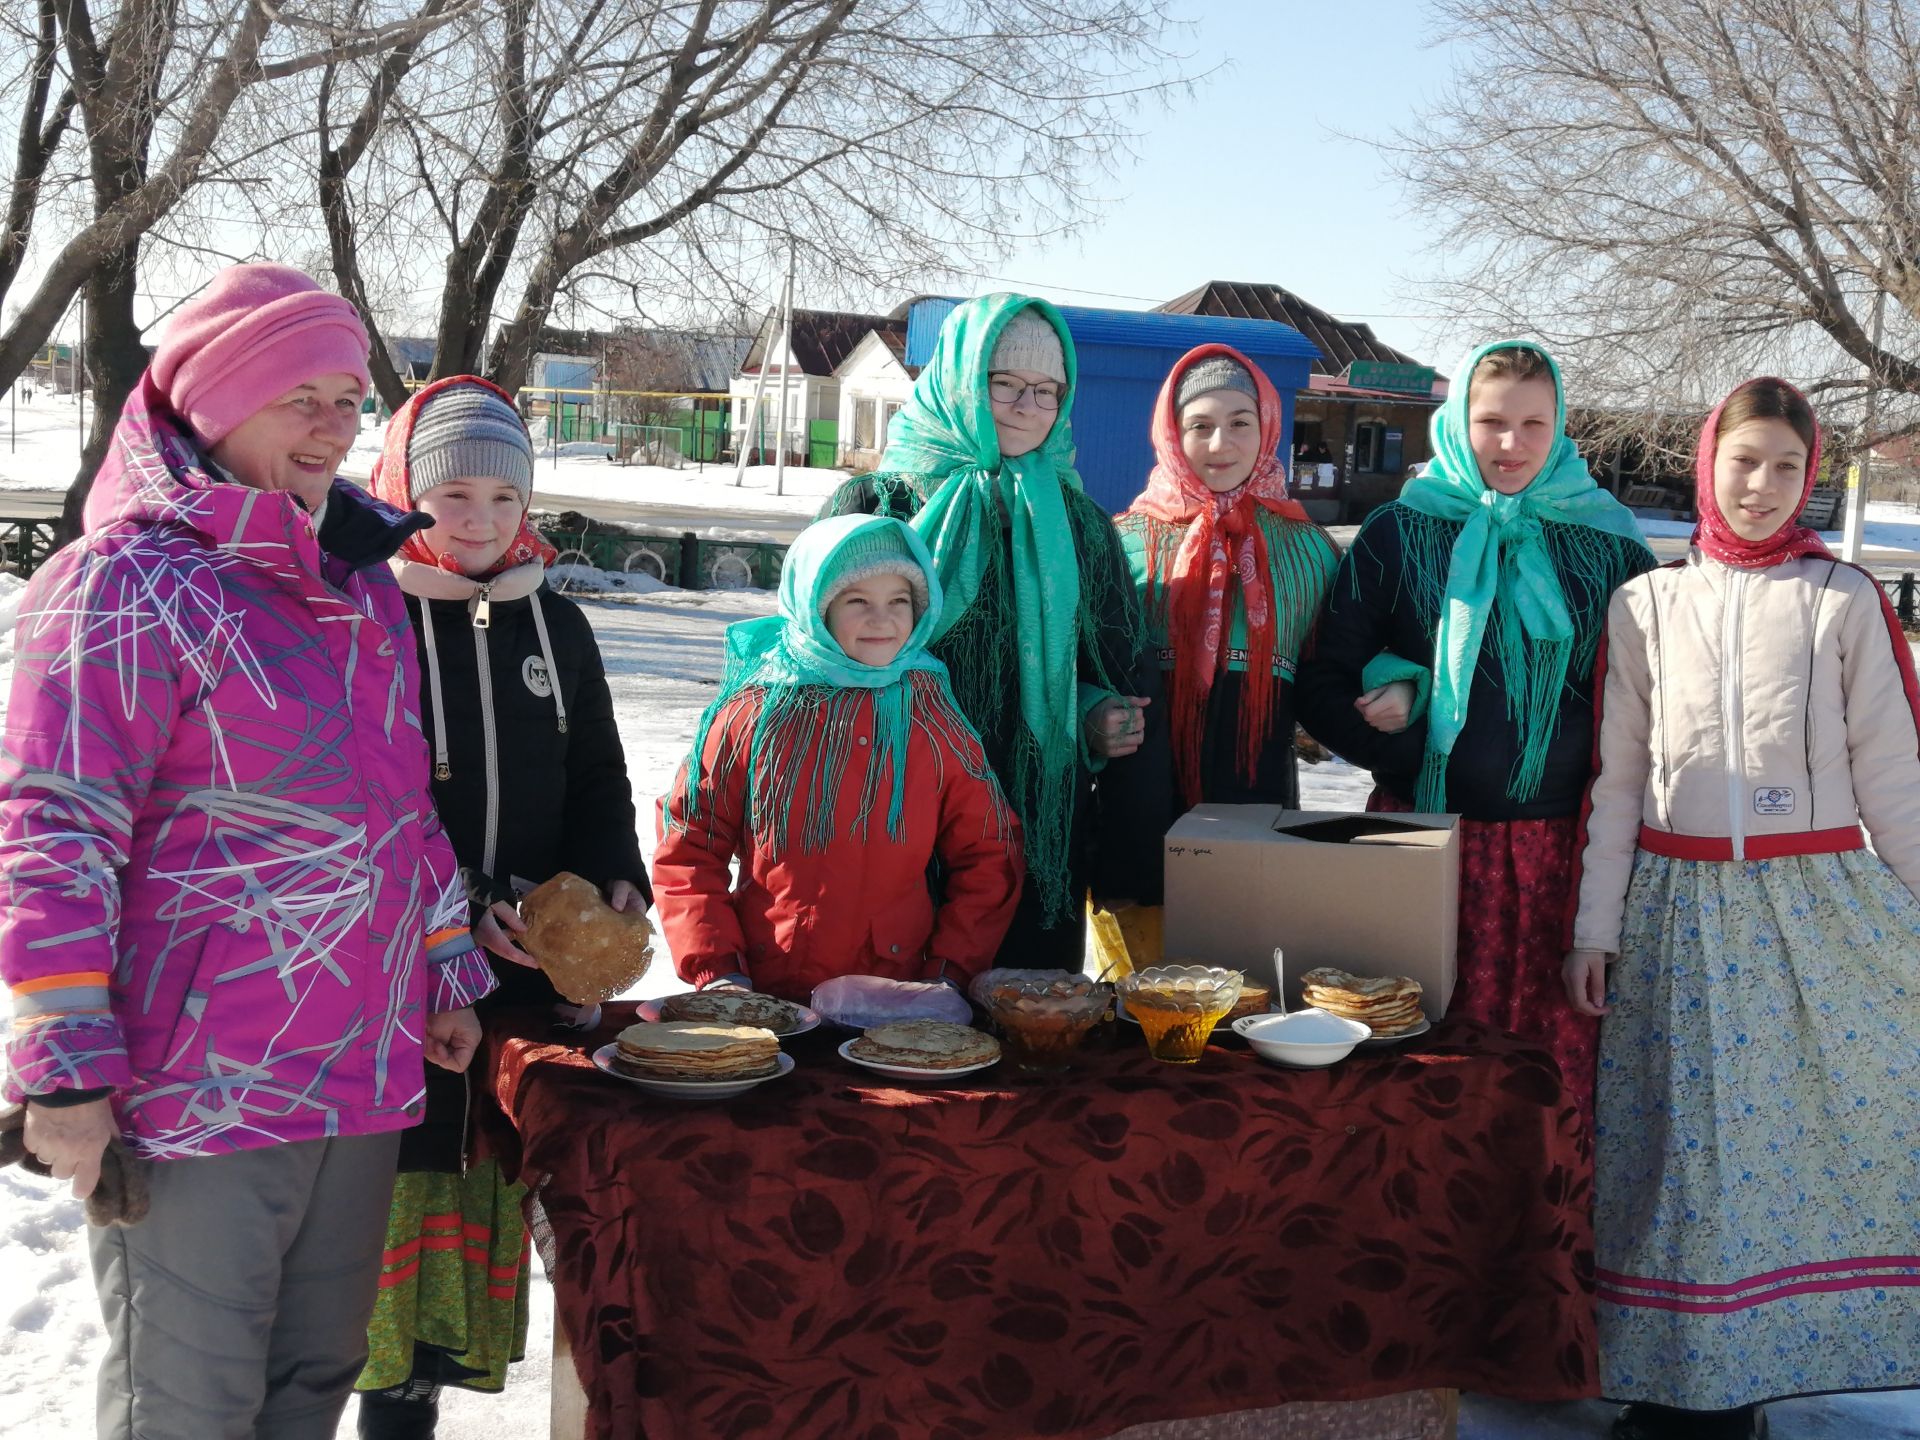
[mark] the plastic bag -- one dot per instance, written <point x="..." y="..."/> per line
<point x="860" y="1002"/>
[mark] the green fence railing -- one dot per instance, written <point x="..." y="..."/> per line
<point x="682" y="559"/>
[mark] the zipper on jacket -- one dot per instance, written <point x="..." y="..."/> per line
<point x="490" y="747"/>
<point x="483" y="607"/>
<point x="466" y="1118"/>
<point x="1730" y="710"/>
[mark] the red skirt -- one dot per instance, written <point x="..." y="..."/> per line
<point x="1516" y="879"/>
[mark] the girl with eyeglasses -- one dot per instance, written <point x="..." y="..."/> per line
<point x="1041" y="632"/>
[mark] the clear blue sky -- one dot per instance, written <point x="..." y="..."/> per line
<point x="1251" y="179"/>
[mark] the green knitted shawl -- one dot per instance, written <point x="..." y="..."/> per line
<point x="1500" y="563"/>
<point x="1001" y="530"/>
<point x="810" y="692"/>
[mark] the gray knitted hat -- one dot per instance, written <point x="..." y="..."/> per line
<point x="468" y="432"/>
<point x="1029" y="342"/>
<point x="1216" y="372"/>
<point x="879" y="551"/>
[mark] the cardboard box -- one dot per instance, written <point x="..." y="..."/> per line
<point x="1372" y="894"/>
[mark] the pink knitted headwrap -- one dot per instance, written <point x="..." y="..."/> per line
<point x="253" y="334"/>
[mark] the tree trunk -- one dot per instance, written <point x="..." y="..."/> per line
<point x="115" y="360"/>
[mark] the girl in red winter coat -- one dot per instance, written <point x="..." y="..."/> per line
<point x="837" y="767"/>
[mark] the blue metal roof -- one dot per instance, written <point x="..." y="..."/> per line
<point x="1124" y="358"/>
<point x="1132" y="329"/>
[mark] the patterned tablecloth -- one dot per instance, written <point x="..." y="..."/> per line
<point x="835" y="1255"/>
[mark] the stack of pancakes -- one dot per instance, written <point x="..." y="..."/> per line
<point x="926" y="1045"/>
<point x="690" y="1050"/>
<point x="733" y="1007"/>
<point x="1388" y="1004"/>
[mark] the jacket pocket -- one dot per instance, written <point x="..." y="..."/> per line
<point x="211" y="951"/>
<point x="900" y="933"/>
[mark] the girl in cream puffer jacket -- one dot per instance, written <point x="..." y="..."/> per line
<point x="1756" y="1154"/>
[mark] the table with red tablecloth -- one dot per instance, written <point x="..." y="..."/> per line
<point x="834" y="1254"/>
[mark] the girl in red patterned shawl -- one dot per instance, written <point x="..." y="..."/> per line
<point x="1230" y="573"/>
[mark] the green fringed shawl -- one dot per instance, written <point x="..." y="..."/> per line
<point x="810" y="696"/>
<point x="1301" y="562"/>
<point x="1027" y="576"/>
<point x="1499" y="563"/>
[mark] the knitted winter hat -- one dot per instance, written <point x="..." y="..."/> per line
<point x="1029" y="342"/>
<point x="1217" y="372"/>
<point x="880" y="551"/>
<point x="253" y="334"/>
<point x="468" y="431"/>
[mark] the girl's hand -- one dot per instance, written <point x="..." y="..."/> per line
<point x="1387" y="708"/>
<point x="496" y="930"/>
<point x="625" y="895"/>
<point x="1117" y="725"/>
<point x="1585" y="974"/>
<point x="452" y="1037"/>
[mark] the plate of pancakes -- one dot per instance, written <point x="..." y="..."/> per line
<point x="922" y="1049"/>
<point x="693" y="1060"/>
<point x="1388" y="1005"/>
<point x="727" y="1006"/>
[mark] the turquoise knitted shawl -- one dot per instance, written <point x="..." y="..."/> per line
<point x="1501" y="560"/>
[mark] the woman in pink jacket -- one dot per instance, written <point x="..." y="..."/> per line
<point x="1759" y="967"/>
<point x="229" y="921"/>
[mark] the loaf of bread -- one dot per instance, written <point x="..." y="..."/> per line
<point x="589" y="950"/>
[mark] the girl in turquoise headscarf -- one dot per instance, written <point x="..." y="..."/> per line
<point x="1042" y="631"/>
<point x="834" y="765"/>
<point x="1454" y="659"/>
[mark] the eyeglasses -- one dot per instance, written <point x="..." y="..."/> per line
<point x="1008" y="391"/>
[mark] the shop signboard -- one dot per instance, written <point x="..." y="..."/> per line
<point x="1382" y="375"/>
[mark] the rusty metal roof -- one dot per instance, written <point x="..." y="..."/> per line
<point x="1340" y="342"/>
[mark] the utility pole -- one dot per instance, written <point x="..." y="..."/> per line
<point x="759" y="390"/>
<point x="786" y="355"/>
<point x="1861" y="471"/>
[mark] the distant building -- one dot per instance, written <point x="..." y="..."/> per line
<point x="823" y="341"/>
<point x="875" y="381"/>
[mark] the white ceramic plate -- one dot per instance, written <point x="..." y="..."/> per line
<point x="910" y="1072"/>
<point x="649" y="1011"/>
<point x="1382" y="1040"/>
<point x="687" y="1089"/>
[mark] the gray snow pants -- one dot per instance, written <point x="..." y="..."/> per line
<point x="237" y="1310"/>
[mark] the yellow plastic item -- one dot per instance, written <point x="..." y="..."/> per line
<point x="1123" y="939"/>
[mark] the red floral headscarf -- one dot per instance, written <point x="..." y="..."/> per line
<point x="1715" y="537"/>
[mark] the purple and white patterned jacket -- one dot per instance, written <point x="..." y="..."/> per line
<point x="223" y="890"/>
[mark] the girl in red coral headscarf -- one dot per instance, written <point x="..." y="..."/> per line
<point x="1758" y="965"/>
<point x="1230" y="573"/>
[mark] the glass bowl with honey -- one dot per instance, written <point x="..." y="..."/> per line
<point x="1177" y="1007"/>
<point x="1043" y="1015"/>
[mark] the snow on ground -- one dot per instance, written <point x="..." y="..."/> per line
<point x="40" y="448"/>
<point x="1891" y="525"/>
<point x="689" y="489"/>
<point x="664" y="654"/>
